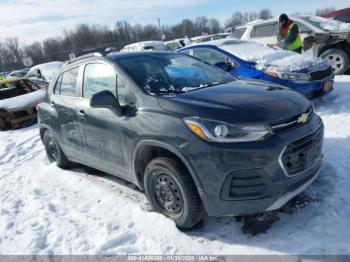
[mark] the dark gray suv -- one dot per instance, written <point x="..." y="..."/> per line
<point x="194" y="138"/>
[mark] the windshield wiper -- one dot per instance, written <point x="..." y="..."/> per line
<point x="167" y="92"/>
<point x="218" y="83"/>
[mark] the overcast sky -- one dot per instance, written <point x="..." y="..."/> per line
<point x="35" y="20"/>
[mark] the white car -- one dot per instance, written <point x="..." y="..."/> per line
<point x="41" y="75"/>
<point x="206" y="38"/>
<point x="145" y="46"/>
<point x="330" y="38"/>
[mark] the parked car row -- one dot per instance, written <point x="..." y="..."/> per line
<point x="212" y="128"/>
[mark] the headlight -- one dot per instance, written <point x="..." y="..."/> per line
<point x="295" y="76"/>
<point x="216" y="131"/>
<point x="288" y="76"/>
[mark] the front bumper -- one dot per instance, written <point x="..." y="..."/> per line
<point x="259" y="163"/>
<point x="307" y="88"/>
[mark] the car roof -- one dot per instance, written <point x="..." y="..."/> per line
<point x="336" y="13"/>
<point x="135" y="54"/>
<point x="218" y="42"/>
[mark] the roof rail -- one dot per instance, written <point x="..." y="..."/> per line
<point x="95" y="54"/>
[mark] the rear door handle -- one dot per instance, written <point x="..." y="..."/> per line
<point x="82" y="114"/>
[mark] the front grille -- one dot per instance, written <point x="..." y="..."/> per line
<point x="321" y="74"/>
<point x="247" y="184"/>
<point x="303" y="153"/>
<point x="291" y="122"/>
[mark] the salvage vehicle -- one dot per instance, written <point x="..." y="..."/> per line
<point x="325" y="38"/>
<point x="175" y="44"/>
<point x="41" y="75"/>
<point x="308" y="75"/>
<point x="18" y="99"/>
<point x="196" y="142"/>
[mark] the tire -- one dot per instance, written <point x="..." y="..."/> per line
<point x="338" y="58"/>
<point x="171" y="191"/>
<point x="54" y="152"/>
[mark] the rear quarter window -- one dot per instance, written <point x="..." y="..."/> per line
<point x="265" y="30"/>
<point x="69" y="82"/>
<point x="238" y="33"/>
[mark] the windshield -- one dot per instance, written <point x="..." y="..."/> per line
<point x="163" y="73"/>
<point x="326" y="23"/>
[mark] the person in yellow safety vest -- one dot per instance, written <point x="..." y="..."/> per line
<point x="289" y="35"/>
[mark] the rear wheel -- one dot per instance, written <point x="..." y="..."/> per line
<point x="338" y="59"/>
<point x="172" y="192"/>
<point x="54" y="152"/>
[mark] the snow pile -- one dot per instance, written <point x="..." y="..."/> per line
<point x="269" y="58"/>
<point x="47" y="210"/>
<point x="329" y="24"/>
<point x="26" y="100"/>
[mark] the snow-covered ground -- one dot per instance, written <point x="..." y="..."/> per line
<point x="46" y="210"/>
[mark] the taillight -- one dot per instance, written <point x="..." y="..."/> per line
<point x="37" y="107"/>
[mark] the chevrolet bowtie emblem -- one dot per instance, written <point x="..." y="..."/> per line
<point x="303" y="118"/>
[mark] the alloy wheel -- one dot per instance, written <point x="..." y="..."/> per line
<point x="337" y="62"/>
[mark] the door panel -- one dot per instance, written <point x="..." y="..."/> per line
<point x="64" y="102"/>
<point x="102" y="129"/>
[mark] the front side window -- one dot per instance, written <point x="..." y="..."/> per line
<point x="264" y="30"/>
<point x="98" y="77"/>
<point x="162" y="73"/>
<point x="210" y="56"/>
<point x="69" y="82"/>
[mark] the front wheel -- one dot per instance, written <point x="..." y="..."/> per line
<point x="338" y="59"/>
<point x="172" y="192"/>
<point x="54" y="152"/>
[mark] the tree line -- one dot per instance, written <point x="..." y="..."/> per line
<point x="86" y="36"/>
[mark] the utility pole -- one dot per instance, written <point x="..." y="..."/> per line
<point x="160" y="29"/>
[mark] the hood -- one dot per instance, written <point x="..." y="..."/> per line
<point x="266" y="58"/>
<point x="239" y="102"/>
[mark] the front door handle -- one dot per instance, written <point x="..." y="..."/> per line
<point x="82" y="114"/>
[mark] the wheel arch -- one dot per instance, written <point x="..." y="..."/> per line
<point x="336" y="43"/>
<point x="147" y="150"/>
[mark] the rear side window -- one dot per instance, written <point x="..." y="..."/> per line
<point x="238" y="33"/>
<point x="344" y="18"/>
<point x="98" y="77"/>
<point x="210" y="56"/>
<point x="303" y="28"/>
<point x="264" y="30"/>
<point x="69" y="81"/>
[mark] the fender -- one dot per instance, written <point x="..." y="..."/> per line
<point x="330" y="43"/>
<point x="173" y="150"/>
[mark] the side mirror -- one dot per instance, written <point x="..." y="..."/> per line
<point x="226" y="66"/>
<point x="39" y="74"/>
<point x="105" y="99"/>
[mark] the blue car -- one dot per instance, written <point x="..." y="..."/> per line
<point x="308" y="75"/>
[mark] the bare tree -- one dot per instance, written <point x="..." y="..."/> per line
<point x="265" y="14"/>
<point x="236" y="19"/>
<point x="321" y="12"/>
